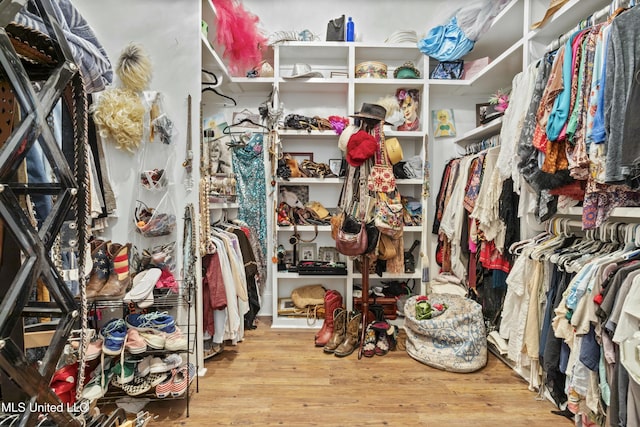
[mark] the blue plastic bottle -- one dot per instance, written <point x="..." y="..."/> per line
<point x="351" y="32"/>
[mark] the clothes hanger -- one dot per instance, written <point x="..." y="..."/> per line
<point x="214" y="90"/>
<point x="212" y="87"/>
<point x="227" y="129"/>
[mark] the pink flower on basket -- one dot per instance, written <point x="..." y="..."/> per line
<point x="438" y="307"/>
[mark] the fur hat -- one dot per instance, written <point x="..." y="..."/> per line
<point x="361" y="147"/>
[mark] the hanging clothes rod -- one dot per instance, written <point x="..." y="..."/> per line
<point x="590" y="21"/>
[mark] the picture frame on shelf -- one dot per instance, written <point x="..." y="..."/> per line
<point x="307" y="251"/>
<point x="286" y="306"/>
<point x="335" y="165"/>
<point x="328" y="254"/>
<point x="288" y="258"/>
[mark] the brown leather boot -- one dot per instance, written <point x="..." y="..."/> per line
<point x="339" y="330"/>
<point x="101" y="267"/>
<point x="352" y="337"/>
<point x="119" y="279"/>
<point x="332" y="300"/>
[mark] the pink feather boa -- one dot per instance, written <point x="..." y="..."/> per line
<point x="237" y="31"/>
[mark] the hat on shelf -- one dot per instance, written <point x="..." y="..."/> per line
<point x="406" y="71"/>
<point x="303" y="71"/>
<point x="372" y="111"/>
<point x="394" y="150"/>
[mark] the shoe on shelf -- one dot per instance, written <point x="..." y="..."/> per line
<point x="154" y="321"/>
<point x="137" y="386"/>
<point x="164" y="388"/>
<point x="180" y="382"/>
<point x="134" y="343"/>
<point x="99" y="383"/>
<point x="101" y="267"/>
<point x="113" y="336"/>
<point x="176" y="341"/>
<point x="94" y="349"/>
<point x="142" y="288"/>
<point x="143" y="368"/>
<point x="119" y="277"/>
<point x="123" y="372"/>
<point x="155" y="379"/>
<point x="154" y="339"/>
<point x="170" y="362"/>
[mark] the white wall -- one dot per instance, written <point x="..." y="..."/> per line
<point x="169" y="33"/>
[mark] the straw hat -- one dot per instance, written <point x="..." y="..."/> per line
<point x="394" y="150"/>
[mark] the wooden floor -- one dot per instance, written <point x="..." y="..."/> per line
<point x="277" y="377"/>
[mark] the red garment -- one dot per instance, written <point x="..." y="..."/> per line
<point x="214" y="296"/>
<point x="492" y="259"/>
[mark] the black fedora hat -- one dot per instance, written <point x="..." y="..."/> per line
<point x="372" y="111"/>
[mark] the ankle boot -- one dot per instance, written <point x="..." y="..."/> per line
<point x="119" y="279"/>
<point x="332" y="300"/>
<point x="101" y="267"/>
<point x="352" y="337"/>
<point x="339" y="330"/>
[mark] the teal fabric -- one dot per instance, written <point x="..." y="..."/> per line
<point x="562" y="103"/>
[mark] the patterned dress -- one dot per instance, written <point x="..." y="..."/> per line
<point x="248" y="165"/>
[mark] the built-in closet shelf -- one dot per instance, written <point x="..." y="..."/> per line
<point x="385" y="275"/>
<point x="414" y="181"/>
<point x="568" y="17"/>
<point x="505" y="31"/>
<point x="304" y="133"/>
<point x="304" y="228"/>
<point x="405" y="83"/>
<point x="306" y="181"/>
<point x="212" y="62"/>
<point x="224" y="205"/>
<point x="497" y="75"/>
<point x="404" y="134"/>
<point x="480" y="133"/>
<point x="288" y="275"/>
<point x="314" y="85"/>
<point x="251" y="84"/>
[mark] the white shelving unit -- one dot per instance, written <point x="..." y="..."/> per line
<point x="339" y="92"/>
<point x="481" y="132"/>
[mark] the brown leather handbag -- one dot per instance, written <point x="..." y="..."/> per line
<point x="352" y="244"/>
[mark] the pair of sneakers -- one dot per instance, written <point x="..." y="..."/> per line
<point x="176" y="384"/>
<point x="153" y="321"/>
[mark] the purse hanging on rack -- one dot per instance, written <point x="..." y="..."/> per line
<point x="381" y="178"/>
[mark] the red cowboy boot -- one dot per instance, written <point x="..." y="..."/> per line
<point x="332" y="300"/>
